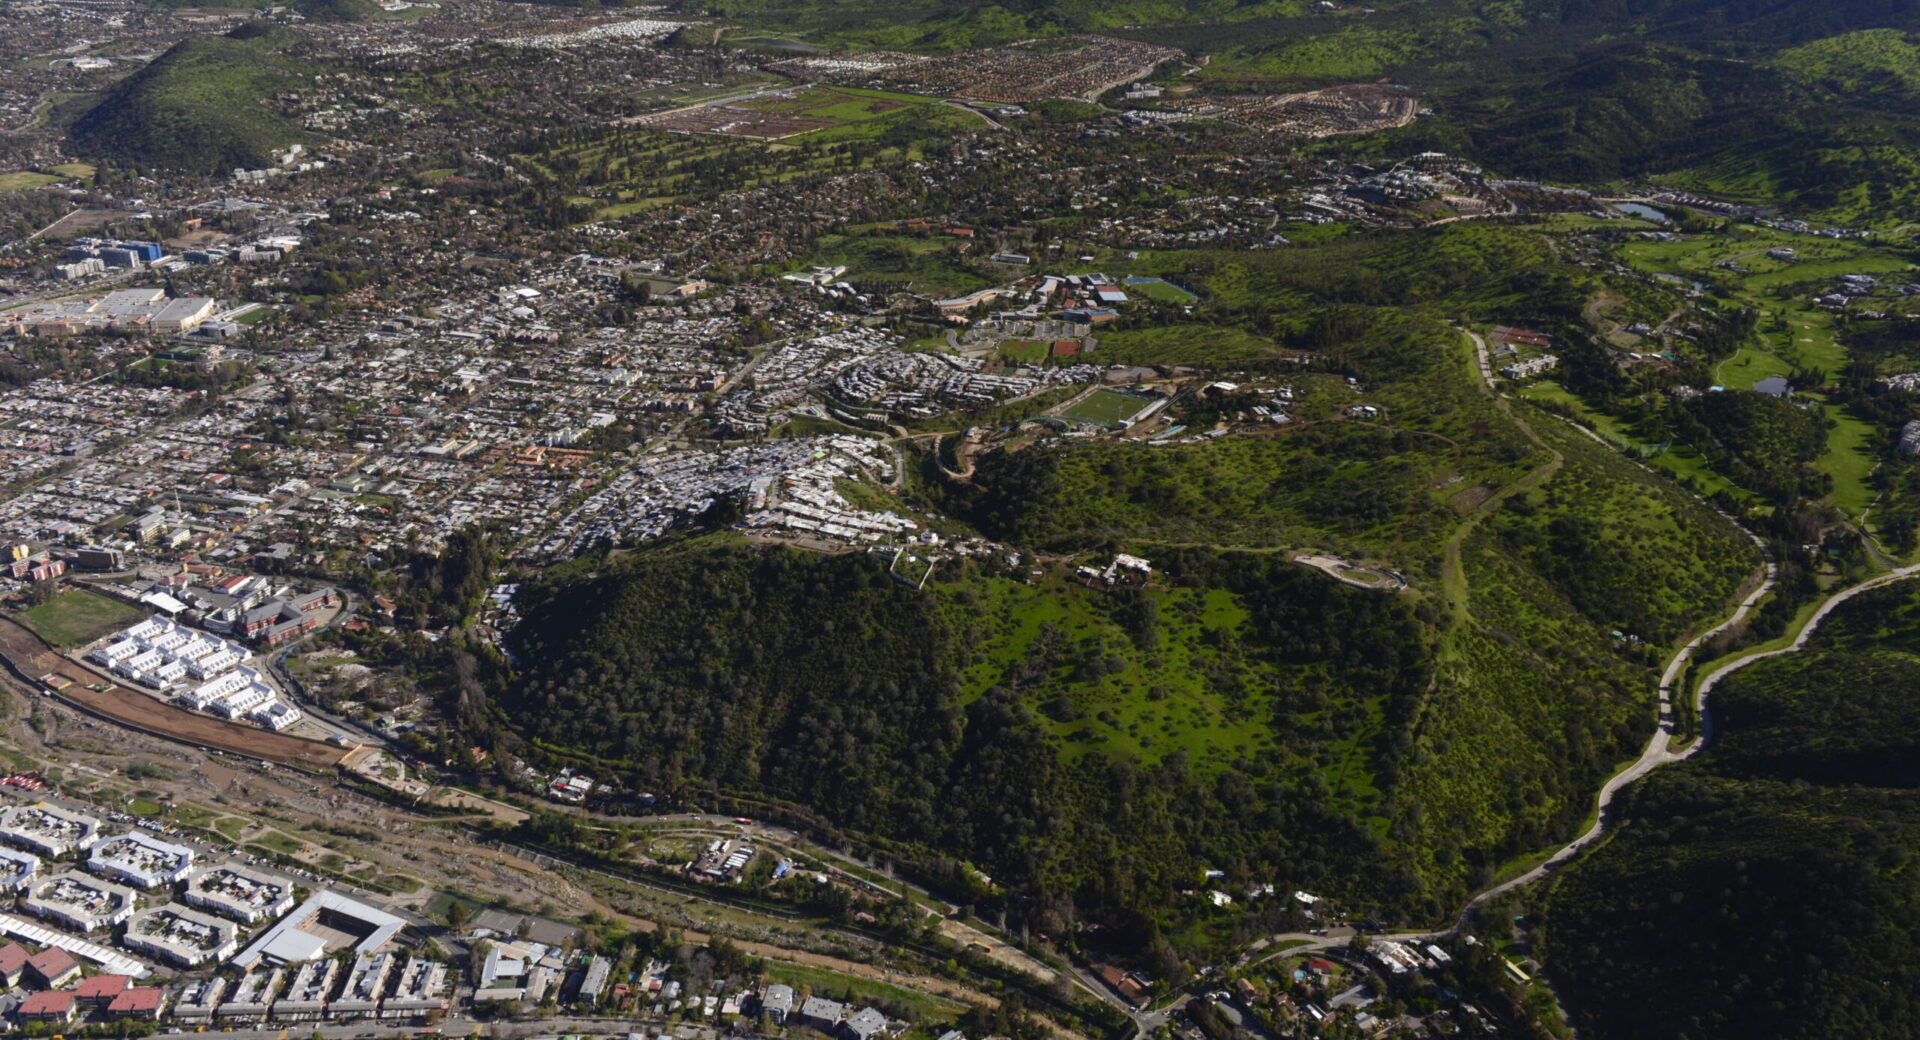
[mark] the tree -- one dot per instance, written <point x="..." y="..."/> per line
<point x="42" y="591"/>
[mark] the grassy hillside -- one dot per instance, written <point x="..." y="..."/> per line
<point x="1767" y="889"/>
<point x="337" y="10"/>
<point x="202" y="106"/>
<point x="1069" y="741"/>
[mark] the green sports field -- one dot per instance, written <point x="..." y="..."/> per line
<point x="1106" y="407"/>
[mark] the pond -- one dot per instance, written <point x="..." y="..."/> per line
<point x="1644" y="212"/>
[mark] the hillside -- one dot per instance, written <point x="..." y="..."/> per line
<point x="337" y="10"/>
<point x="200" y="107"/>
<point x="1775" y="874"/>
<point x="1392" y="749"/>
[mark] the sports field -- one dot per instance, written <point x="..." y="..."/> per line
<point x="1105" y="407"/>
<point x="77" y="617"/>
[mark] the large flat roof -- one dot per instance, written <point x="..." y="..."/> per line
<point x="288" y="942"/>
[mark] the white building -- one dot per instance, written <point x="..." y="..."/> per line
<point x="181" y="936"/>
<point x="79" y="902"/>
<point x="240" y="892"/>
<point x="140" y="859"/>
<point x="47" y="829"/>
<point x="17" y="870"/>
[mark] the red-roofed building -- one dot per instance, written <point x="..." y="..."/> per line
<point x="141" y="1002"/>
<point x="13" y="964"/>
<point x="51" y="1005"/>
<point x="52" y="968"/>
<point x="1321" y="965"/>
<point x="100" y="990"/>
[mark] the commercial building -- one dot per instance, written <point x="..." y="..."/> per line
<point x="184" y="315"/>
<point x="47" y="829"/>
<point x="140" y="859"/>
<point x="240" y="892"/>
<point x="79" y="901"/>
<point x="305" y="934"/>
<point x="181" y="936"/>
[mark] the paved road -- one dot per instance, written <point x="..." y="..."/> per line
<point x="1713" y="678"/>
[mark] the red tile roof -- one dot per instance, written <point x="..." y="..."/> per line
<point x="13" y="957"/>
<point x="137" y="999"/>
<point x="48" y="1002"/>
<point x="101" y="986"/>
<point x="51" y="963"/>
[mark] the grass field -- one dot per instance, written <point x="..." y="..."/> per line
<point x="1791" y="332"/>
<point x="1032" y="351"/>
<point x="77" y="617"/>
<point x="1105" y="407"/>
<point x="26" y="179"/>
<point x="1159" y="289"/>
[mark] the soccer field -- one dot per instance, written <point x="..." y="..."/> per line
<point x="78" y="616"/>
<point x="1106" y="407"/>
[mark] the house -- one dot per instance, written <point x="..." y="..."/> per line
<point x="776" y="1002"/>
<point x="864" y="1024"/>
<point x="822" y="1014"/>
<point x="1125" y="983"/>
<point x="53" y="1005"/>
<point x="52" y="968"/>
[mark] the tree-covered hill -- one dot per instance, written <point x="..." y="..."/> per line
<point x="203" y="106"/>
<point x="1768" y="888"/>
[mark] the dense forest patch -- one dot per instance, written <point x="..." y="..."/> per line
<point x="1768" y="888"/>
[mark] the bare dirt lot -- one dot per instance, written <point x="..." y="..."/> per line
<point x="33" y="657"/>
<point x="85" y="219"/>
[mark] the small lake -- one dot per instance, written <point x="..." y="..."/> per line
<point x="1644" y="212"/>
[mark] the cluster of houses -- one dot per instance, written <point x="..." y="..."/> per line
<point x="195" y="669"/>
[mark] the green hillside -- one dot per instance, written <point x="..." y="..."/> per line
<point x="1301" y="727"/>
<point x="1769" y="888"/>
<point x="202" y="106"/>
<point x="337" y="10"/>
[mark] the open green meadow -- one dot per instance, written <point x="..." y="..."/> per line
<point x="1106" y="407"/>
<point x="77" y="617"/>
<point x="25" y="179"/>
